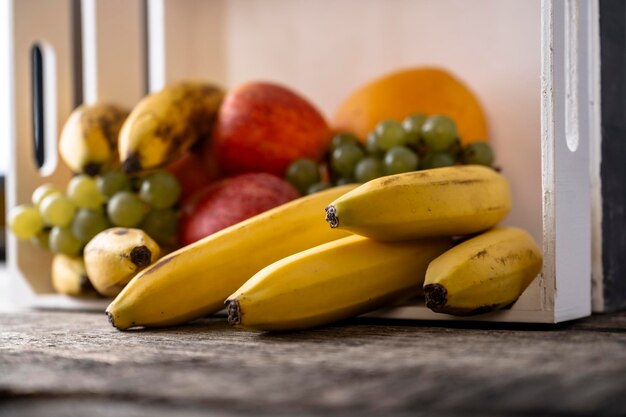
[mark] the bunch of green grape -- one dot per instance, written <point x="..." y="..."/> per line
<point x="65" y="221"/>
<point x="418" y="142"/>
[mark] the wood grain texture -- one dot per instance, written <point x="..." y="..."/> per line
<point x="58" y="363"/>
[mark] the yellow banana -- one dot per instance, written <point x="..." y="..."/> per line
<point x="88" y="142"/>
<point x="70" y="278"/>
<point x="331" y="282"/>
<point x="447" y="201"/>
<point x="484" y="273"/>
<point x="165" y="124"/>
<point x="115" y="255"/>
<point x="195" y="280"/>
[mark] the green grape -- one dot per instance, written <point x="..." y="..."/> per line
<point x="369" y="168"/>
<point x="88" y="223"/>
<point x="344" y="159"/>
<point x="344" y="181"/>
<point x="371" y="145"/>
<point x="42" y="239"/>
<point x="439" y="133"/>
<point x="57" y="210"/>
<point x="302" y="174"/>
<point x="341" y="139"/>
<point x="390" y="133"/>
<point x="42" y="192"/>
<point x="479" y="153"/>
<point x="160" y="189"/>
<point x="125" y="209"/>
<point x="318" y="186"/>
<point x="437" y="160"/>
<point x="413" y="127"/>
<point x="25" y="221"/>
<point x="112" y="182"/>
<point x="162" y="226"/>
<point x="400" y="159"/>
<point x="62" y="240"/>
<point x="84" y="192"/>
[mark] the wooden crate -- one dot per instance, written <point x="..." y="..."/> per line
<point x="535" y="67"/>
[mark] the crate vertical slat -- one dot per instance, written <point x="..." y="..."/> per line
<point x="566" y="146"/>
<point x="185" y="41"/>
<point x="113" y="45"/>
<point x="49" y="25"/>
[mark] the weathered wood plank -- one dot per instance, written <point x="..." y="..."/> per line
<point x="76" y="364"/>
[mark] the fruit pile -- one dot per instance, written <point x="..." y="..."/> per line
<point x="216" y="178"/>
<point x="418" y="142"/>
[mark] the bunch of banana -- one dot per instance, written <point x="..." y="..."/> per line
<point x="195" y="280"/>
<point x="331" y="282"/>
<point x="484" y="273"/>
<point x="69" y="276"/>
<point x="115" y="255"/>
<point x="88" y="142"/>
<point x="165" y="124"/>
<point x="450" y="201"/>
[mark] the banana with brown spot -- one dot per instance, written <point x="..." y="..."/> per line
<point x="487" y="272"/>
<point x="88" y="142"/>
<point x="449" y="201"/>
<point x="69" y="277"/>
<point x="165" y="124"/>
<point x="116" y="255"/>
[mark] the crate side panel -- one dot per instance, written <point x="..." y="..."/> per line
<point x="48" y="23"/>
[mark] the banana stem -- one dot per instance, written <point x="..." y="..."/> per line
<point x="436" y="295"/>
<point x="331" y="216"/>
<point x="234" y="312"/>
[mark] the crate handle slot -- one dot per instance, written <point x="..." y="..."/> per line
<point x="44" y="111"/>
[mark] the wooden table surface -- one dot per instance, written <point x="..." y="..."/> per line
<point x="76" y="364"/>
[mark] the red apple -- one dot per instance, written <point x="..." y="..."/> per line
<point x="193" y="173"/>
<point x="264" y="127"/>
<point x="230" y="201"/>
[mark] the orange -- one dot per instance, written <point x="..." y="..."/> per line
<point x="416" y="90"/>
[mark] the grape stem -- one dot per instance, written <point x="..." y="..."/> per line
<point x="331" y="216"/>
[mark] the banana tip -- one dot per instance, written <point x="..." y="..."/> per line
<point x="331" y="216"/>
<point x="131" y="164"/>
<point x="110" y="317"/>
<point x="234" y="312"/>
<point x="141" y="256"/>
<point x="436" y="296"/>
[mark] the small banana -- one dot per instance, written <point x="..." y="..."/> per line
<point x="167" y="123"/>
<point x="331" y="282"/>
<point x="88" y="142"/>
<point x="69" y="276"/>
<point x="447" y="201"/>
<point x="195" y="280"/>
<point x="115" y="255"/>
<point x="484" y="273"/>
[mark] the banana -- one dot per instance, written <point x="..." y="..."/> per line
<point x="332" y="282"/>
<point x="88" y="142"/>
<point x="115" y="255"/>
<point x="484" y="273"/>
<point x="195" y="280"/>
<point x="69" y="276"/>
<point x="447" y="201"/>
<point x="164" y="125"/>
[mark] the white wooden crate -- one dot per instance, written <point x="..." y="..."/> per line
<point x="532" y="64"/>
